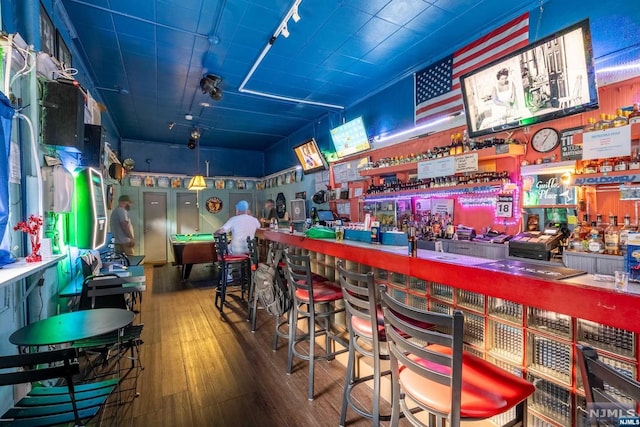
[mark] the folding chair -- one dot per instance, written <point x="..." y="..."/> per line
<point x="44" y="405"/>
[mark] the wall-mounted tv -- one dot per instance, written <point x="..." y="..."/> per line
<point x="350" y="138"/>
<point x="310" y="157"/>
<point x="551" y="78"/>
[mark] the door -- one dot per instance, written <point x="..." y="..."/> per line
<point x="187" y="213"/>
<point x="155" y="228"/>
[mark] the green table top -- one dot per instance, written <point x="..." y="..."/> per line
<point x="185" y="238"/>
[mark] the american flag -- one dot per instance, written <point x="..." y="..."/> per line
<point x="437" y="87"/>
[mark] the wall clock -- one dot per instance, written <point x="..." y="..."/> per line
<point x="545" y="140"/>
<point x="214" y="204"/>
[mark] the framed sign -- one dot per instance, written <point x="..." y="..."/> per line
<point x="47" y="33"/>
<point x="63" y="53"/>
<point x="213" y="204"/>
<point x="504" y="206"/>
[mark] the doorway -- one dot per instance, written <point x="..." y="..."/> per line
<point x="155" y="228"/>
<point x="187" y="218"/>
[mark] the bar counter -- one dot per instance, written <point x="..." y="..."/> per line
<point x="581" y="296"/>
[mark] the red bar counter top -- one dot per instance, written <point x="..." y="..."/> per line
<point x="579" y="296"/>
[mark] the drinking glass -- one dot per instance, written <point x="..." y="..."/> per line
<point x="621" y="280"/>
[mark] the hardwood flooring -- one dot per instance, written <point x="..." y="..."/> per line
<point x="204" y="370"/>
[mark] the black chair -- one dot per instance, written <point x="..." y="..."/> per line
<point x="366" y="337"/>
<point x="228" y="264"/>
<point x="44" y="405"/>
<point x="315" y="302"/>
<point x="609" y="393"/>
<point x="112" y="291"/>
<point x="431" y="373"/>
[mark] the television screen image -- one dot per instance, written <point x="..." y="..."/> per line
<point x="310" y="157"/>
<point x="350" y="138"/>
<point x="551" y="78"/>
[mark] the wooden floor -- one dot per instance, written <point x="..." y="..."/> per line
<point x="202" y="370"/>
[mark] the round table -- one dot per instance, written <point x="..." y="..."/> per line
<point x="69" y="327"/>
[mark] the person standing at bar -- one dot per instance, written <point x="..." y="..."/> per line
<point x="241" y="226"/>
<point x="121" y="226"/>
<point x="268" y="213"/>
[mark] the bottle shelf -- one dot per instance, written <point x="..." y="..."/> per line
<point x="484" y="154"/>
<point x="414" y="191"/>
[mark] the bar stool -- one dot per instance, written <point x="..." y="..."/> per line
<point x="307" y="296"/>
<point x="252" y="300"/>
<point x="366" y="337"/>
<point x="430" y="369"/>
<point x="229" y="263"/>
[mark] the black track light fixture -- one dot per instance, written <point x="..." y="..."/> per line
<point x="192" y="143"/>
<point x="209" y="84"/>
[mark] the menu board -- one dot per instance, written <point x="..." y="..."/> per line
<point x="348" y="171"/>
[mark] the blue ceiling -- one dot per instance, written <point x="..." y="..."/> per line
<point x="339" y="53"/>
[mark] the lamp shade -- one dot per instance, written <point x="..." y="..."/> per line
<point x="197" y="183"/>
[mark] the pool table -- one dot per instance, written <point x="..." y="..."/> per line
<point x="189" y="249"/>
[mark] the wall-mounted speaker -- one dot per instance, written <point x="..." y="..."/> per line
<point x="92" y="153"/>
<point x="298" y="211"/>
<point x="63" y="116"/>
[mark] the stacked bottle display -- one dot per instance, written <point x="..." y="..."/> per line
<point x="607" y="121"/>
<point x="445" y="181"/>
<point x="460" y="144"/>
<point x="600" y="238"/>
<point x="430" y="226"/>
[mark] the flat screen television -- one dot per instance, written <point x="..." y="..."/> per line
<point x="310" y="157"/>
<point x="550" y="78"/>
<point x="350" y="138"/>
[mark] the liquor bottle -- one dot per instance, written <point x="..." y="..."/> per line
<point x="603" y="123"/>
<point x="612" y="237"/>
<point x="624" y="234"/>
<point x="459" y="146"/>
<point x="634" y="117"/>
<point x="413" y="243"/>
<point x="634" y="163"/>
<point x="600" y="226"/>
<point x="452" y="147"/>
<point x="591" y="166"/>
<point x="621" y="164"/>
<point x="620" y="119"/>
<point x="591" y="124"/>
<point x="606" y="166"/>
<point x="575" y="243"/>
<point x="466" y="146"/>
<point x="595" y="245"/>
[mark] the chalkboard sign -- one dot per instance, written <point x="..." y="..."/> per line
<point x="568" y="150"/>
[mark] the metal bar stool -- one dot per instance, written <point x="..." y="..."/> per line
<point x="307" y="297"/>
<point x="366" y="337"/>
<point x="431" y="373"/>
<point x="229" y="263"/>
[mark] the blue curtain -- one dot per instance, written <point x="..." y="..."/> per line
<point x="6" y="117"/>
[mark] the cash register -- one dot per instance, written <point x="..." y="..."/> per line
<point x="537" y="244"/>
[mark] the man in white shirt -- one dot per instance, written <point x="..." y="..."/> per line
<point x="242" y="225"/>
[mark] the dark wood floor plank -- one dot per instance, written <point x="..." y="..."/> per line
<point x="204" y="369"/>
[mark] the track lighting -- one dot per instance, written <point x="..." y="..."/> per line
<point x="195" y="134"/>
<point x="294" y="14"/>
<point x="191" y="144"/>
<point x="285" y="31"/>
<point x="171" y="125"/>
<point x="209" y="84"/>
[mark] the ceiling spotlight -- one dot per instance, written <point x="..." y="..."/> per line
<point x="209" y="84"/>
<point x="285" y="31"/>
<point x="171" y="125"/>
<point x="216" y="94"/>
<point x="195" y="134"/>
<point x="295" y="16"/>
<point x="191" y="144"/>
<point x="188" y="117"/>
